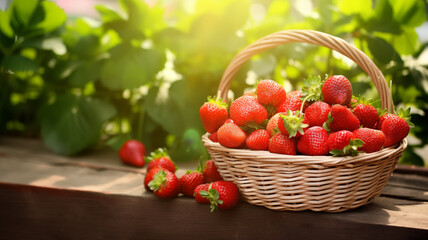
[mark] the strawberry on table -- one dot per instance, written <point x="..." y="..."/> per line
<point x="132" y="152"/>
<point x="341" y="118"/>
<point x="165" y="184"/>
<point x="396" y="128"/>
<point x="343" y="143"/>
<point x="210" y="172"/>
<point x="282" y="144"/>
<point x="160" y="158"/>
<point x="190" y="181"/>
<point x="221" y="194"/>
<point x="373" y="139"/>
<point x="337" y="90"/>
<point x="231" y="135"/>
<point x="197" y="195"/>
<point x="317" y="113"/>
<point x="246" y="110"/>
<point x="314" y="142"/>
<point x="270" y="94"/>
<point x="258" y="140"/>
<point x="213" y="114"/>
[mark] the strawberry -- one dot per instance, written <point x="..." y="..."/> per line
<point x="161" y="158"/>
<point x="373" y="139"/>
<point x="231" y="135"/>
<point x="272" y="126"/>
<point x="317" y="113"/>
<point x="337" y="90"/>
<point x="213" y="137"/>
<point x="165" y="184"/>
<point x="396" y="128"/>
<point x="292" y="102"/>
<point x="197" y="195"/>
<point x="258" y="140"/>
<point x="245" y="110"/>
<point x="314" y="142"/>
<point x="149" y="177"/>
<point x="210" y="172"/>
<point x="366" y="113"/>
<point x="221" y="194"/>
<point x="282" y="144"/>
<point x="132" y="152"/>
<point x="341" y="118"/>
<point x="190" y="181"/>
<point x="213" y="114"/>
<point x="342" y="143"/>
<point x="270" y="94"/>
<point x="293" y="124"/>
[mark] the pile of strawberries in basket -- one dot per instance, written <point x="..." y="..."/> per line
<point x="323" y="118"/>
<point x="205" y="184"/>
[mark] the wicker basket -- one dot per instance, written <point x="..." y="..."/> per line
<point x="296" y="183"/>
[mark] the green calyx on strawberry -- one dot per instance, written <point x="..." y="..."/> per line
<point x="213" y="196"/>
<point x="349" y="150"/>
<point x="405" y="114"/>
<point x="221" y="194"/>
<point x="161" y="158"/>
<point x="293" y="123"/>
<point x="165" y="184"/>
<point x="312" y="90"/>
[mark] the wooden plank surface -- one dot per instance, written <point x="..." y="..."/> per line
<point x="33" y="179"/>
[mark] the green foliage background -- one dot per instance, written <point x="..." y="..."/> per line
<point x="143" y="71"/>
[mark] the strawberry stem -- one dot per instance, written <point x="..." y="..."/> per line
<point x="303" y="103"/>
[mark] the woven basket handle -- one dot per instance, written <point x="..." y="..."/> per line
<point x="316" y="38"/>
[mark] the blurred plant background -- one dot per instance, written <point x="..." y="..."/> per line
<point x="81" y="76"/>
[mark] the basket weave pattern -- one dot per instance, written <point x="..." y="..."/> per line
<point x="319" y="183"/>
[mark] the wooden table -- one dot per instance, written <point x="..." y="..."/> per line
<point x="94" y="196"/>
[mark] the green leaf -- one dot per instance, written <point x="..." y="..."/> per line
<point x="72" y="123"/>
<point x="18" y="63"/>
<point x="382" y="19"/>
<point x="86" y="72"/>
<point x="130" y="67"/>
<point x="362" y="7"/>
<point x="381" y="50"/>
<point x="54" y="17"/>
<point x="108" y="14"/>
<point x="53" y="44"/>
<point x="22" y="12"/>
<point x="407" y="43"/>
<point x="5" y="27"/>
<point x="409" y="12"/>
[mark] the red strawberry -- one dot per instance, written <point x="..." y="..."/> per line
<point x="341" y="118"/>
<point x="337" y="90"/>
<point x="165" y="184"/>
<point x="292" y="102"/>
<point x="198" y="189"/>
<point x="161" y="158"/>
<point x="210" y="172"/>
<point x="367" y="114"/>
<point x="293" y="124"/>
<point x="246" y="110"/>
<point x="132" y="152"/>
<point x="396" y="128"/>
<point x="272" y="126"/>
<point x="382" y="118"/>
<point x="190" y="181"/>
<point x="373" y="139"/>
<point x="222" y="194"/>
<point x="149" y="177"/>
<point x="231" y="135"/>
<point x="314" y="142"/>
<point x="270" y="94"/>
<point x="282" y="144"/>
<point x="213" y="114"/>
<point x="258" y="140"/>
<point x="342" y="143"/>
<point x="213" y="137"/>
<point x="317" y="113"/>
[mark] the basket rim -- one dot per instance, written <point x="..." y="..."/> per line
<point x="264" y="156"/>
